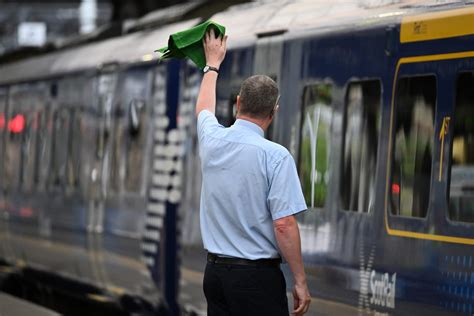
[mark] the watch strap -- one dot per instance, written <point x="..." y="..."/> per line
<point x="210" y="68"/>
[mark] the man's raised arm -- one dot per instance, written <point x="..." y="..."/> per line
<point x="214" y="49"/>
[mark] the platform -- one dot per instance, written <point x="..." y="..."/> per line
<point x="13" y="306"/>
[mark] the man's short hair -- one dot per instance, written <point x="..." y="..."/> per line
<point x="258" y="96"/>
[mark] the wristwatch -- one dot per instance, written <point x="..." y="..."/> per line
<point x="209" y="68"/>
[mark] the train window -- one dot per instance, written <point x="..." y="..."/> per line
<point x="28" y="149"/>
<point x="59" y="149"/>
<point x="315" y="143"/>
<point x="74" y="148"/>
<point x="15" y="126"/>
<point x="361" y="130"/>
<point x="413" y="145"/>
<point x="226" y="109"/>
<point x="39" y="130"/>
<point x="461" y="196"/>
<point x="41" y="175"/>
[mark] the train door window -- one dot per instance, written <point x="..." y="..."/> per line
<point x="361" y="131"/>
<point x="130" y="131"/>
<point x="461" y="196"/>
<point x="315" y="142"/>
<point x="413" y="145"/>
<point x="116" y="169"/>
<point x="135" y="145"/>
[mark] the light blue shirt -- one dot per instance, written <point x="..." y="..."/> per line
<point x="247" y="183"/>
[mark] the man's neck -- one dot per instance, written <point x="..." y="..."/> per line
<point x="260" y="122"/>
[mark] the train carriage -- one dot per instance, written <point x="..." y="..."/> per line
<point x="101" y="176"/>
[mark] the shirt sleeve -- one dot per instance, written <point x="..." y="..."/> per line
<point x="206" y="123"/>
<point x="285" y="196"/>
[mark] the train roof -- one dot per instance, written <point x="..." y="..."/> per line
<point x="131" y="48"/>
<point x="257" y="19"/>
<point x="245" y="23"/>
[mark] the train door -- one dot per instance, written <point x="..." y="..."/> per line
<point x="100" y="120"/>
<point x="126" y="203"/>
<point x="105" y="98"/>
<point x="267" y="61"/>
<point x="128" y="156"/>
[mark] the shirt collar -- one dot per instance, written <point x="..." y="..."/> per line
<point x="249" y="125"/>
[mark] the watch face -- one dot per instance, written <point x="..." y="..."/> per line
<point x="206" y="69"/>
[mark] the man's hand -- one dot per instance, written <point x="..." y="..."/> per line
<point x="301" y="299"/>
<point x="214" y="48"/>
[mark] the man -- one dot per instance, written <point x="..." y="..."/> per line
<point x="250" y="193"/>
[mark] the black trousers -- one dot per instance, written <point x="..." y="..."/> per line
<point x="238" y="290"/>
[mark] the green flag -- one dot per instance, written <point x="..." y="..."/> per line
<point x="188" y="43"/>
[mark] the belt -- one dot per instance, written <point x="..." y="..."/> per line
<point x="213" y="258"/>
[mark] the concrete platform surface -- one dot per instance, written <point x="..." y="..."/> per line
<point x="13" y="306"/>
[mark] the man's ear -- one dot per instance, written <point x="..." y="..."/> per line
<point x="274" y="111"/>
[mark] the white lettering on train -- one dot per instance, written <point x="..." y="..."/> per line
<point x="382" y="288"/>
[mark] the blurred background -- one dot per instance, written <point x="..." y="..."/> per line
<point x="31" y="26"/>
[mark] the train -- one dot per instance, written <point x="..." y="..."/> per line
<point x="100" y="172"/>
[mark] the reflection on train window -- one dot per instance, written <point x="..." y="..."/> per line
<point x="59" y="152"/>
<point x="39" y="145"/>
<point x="129" y="133"/>
<point x="361" y="130"/>
<point x="15" y="125"/>
<point x="461" y="197"/>
<point x="116" y="170"/>
<point x="315" y="143"/>
<point x="413" y="145"/>
<point x="23" y="125"/>
<point x="226" y="110"/>
<point x="135" y="145"/>
<point x="74" y="148"/>
<point x="28" y="151"/>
